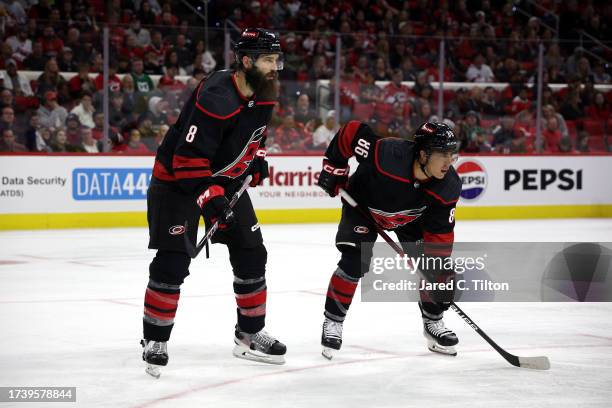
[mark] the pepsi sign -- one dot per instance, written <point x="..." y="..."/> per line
<point x="473" y="179"/>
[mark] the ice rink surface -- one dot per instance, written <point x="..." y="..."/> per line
<point x="71" y="311"/>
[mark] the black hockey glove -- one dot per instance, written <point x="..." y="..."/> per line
<point x="333" y="177"/>
<point x="215" y="206"/>
<point x="259" y="168"/>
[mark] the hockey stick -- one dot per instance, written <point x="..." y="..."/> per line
<point x="193" y="251"/>
<point x="537" y="363"/>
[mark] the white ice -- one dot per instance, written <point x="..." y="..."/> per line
<point x="71" y="311"/>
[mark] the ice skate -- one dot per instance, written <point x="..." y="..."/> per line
<point x="155" y="354"/>
<point x="331" y="338"/>
<point x="440" y="339"/>
<point x="259" y="347"/>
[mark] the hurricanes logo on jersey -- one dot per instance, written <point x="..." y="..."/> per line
<point x="241" y="164"/>
<point x="389" y="220"/>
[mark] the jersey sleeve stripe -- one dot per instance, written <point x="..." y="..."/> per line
<point x="437" y="197"/>
<point x="440" y="244"/>
<point x="182" y="162"/>
<point x="180" y="175"/>
<point x="346" y="137"/>
<point x="160" y="172"/>
<point x="218" y="116"/>
<point x="266" y="103"/>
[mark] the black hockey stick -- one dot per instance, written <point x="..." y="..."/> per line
<point x="193" y="251"/>
<point x="537" y="363"/>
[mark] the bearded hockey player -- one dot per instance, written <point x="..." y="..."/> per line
<point x="217" y="141"/>
<point x="407" y="187"/>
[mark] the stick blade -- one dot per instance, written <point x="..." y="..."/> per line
<point x="535" y="363"/>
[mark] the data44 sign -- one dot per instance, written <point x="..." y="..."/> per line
<point x="110" y="184"/>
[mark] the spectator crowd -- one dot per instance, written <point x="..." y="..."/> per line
<point x="51" y="81"/>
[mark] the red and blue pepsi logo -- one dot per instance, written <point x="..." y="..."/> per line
<point x="473" y="178"/>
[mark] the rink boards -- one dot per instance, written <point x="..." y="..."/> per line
<point x="40" y="191"/>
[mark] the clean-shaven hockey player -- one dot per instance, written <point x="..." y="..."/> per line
<point x="216" y="142"/>
<point x="408" y="187"/>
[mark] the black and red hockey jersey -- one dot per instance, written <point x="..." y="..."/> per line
<point x="385" y="184"/>
<point x="215" y="137"/>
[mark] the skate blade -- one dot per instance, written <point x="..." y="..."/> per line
<point x="436" y="348"/>
<point x="153" y="370"/>
<point x="242" y="351"/>
<point x="328" y="353"/>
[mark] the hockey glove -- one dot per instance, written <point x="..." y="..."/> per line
<point x="215" y="206"/>
<point x="259" y="168"/>
<point x="333" y="177"/>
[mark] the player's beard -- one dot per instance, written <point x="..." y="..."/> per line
<point x="264" y="86"/>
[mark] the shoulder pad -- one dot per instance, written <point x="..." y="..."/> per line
<point x="393" y="158"/>
<point x="217" y="96"/>
<point x="446" y="190"/>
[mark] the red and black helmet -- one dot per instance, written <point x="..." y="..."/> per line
<point x="256" y="41"/>
<point x="434" y="136"/>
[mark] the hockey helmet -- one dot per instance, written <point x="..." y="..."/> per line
<point x="256" y="41"/>
<point x="435" y="136"/>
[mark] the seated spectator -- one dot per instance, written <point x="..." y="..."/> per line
<point x="88" y="143"/>
<point x="38" y="138"/>
<point x="551" y="136"/>
<point x="399" y="126"/>
<point x="131" y="49"/>
<point x="520" y="102"/>
<point x="15" y="81"/>
<point x="599" y="109"/>
<point x="36" y="60"/>
<point x="381" y="73"/>
<point x="9" y="142"/>
<point x="142" y="81"/>
<point x="51" y="43"/>
<point x="135" y="145"/>
<point x="490" y="105"/>
<point x="84" y="110"/>
<point x="141" y="35"/>
<point x="82" y="82"/>
<point x="50" y="79"/>
<point x="422" y="115"/>
<point x="503" y="134"/>
<point x="480" y="144"/>
<point x="369" y="92"/>
<point x="478" y="71"/>
<point x="66" y="61"/>
<point x="600" y="76"/>
<point x="185" y="55"/>
<point x="114" y="83"/>
<point x="60" y="143"/>
<point x="172" y="60"/>
<point x="7" y="120"/>
<point x="151" y="63"/>
<point x="548" y="112"/>
<point x="289" y="136"/>
<point x="395" y="91"/>
<point x="158" y="110"/>
<point x="571" y="109"/>
<point x="52" y="115"/>
<point x="582" y="142"/>
<point x="118" y="116"/>
<point x="468" y="131"/>
<point x="73" y="129"/>
<point x="303" y="112"/>
<point x="325" y="133"/>
<point x="168" y="82"/>
<point x="20" y="44"/>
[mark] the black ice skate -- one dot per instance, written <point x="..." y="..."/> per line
<point x="259" y="347"/>
<point x="331" y="338"/>
<point x="155" y="354"/>
<point x="440" y="339"/>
